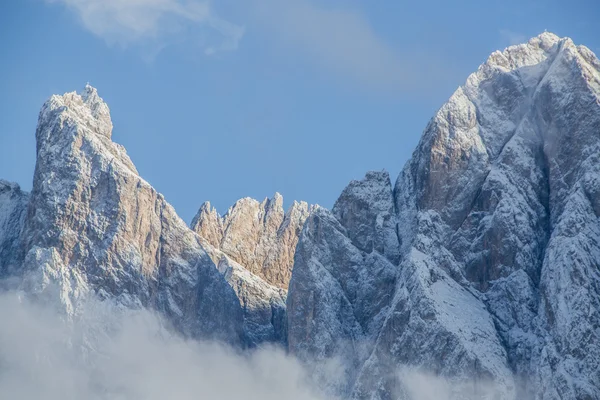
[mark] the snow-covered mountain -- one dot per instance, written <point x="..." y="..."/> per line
<point x="480" y="265"/>
<point x="92" y="225"/>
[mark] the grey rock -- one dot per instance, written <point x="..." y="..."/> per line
<point x="13" y="208"/>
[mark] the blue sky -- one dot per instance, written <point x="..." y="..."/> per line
<point x="230" y="98"/>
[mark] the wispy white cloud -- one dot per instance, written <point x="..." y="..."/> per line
<point x="127" y="22"/>
<point x="338" y="40"/>
<point x="343" y="41"/>
<point x="108" y="352"/>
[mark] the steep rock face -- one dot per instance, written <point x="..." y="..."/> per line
<point x="13" y="207"/>
<point x="342" y="285"/>
<point x="94" y="225"/>
<point x="498" y="281"/>
<point x="258" y="235"/>
<point x="253" y="244"/>
<point x="523" y="149"/>
<point x="263" y="305"/>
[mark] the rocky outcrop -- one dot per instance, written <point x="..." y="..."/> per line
<point x="13" y="207"/>
<point x="254" y="244"/>
<point x="258" y="235"/>
<point x="94" y="225"/>
<point x="342" y="285"/>
<point x="494" y="278"/>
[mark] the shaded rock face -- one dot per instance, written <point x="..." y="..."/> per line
<point x="254" y="244"/>
<point x="494" y="278"/>
<point x="13" y="207"/>
<point x="93" y="225"/>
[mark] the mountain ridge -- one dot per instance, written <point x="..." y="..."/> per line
<point x="480" y="264"/>
<point x="478" y="210"/>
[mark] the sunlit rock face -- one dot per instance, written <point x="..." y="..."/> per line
<point x="261" y="236"/>
<point x="93" y="225"/>
<point x="482" y="265"/>
<point x="254" y="244"/>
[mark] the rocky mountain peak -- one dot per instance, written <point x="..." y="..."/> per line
<point x="479" y="266"/>
<point x="94" y="226"/>
<point x="208" y="224"/>
<point x="496" y="217"/>
<point x="366" y="209"/>
<point x="257" y="235"/>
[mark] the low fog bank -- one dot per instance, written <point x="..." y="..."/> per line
<point x="113" y="353"/>
<point x="110" y="353"/>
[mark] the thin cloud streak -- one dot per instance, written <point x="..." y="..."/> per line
<point x="343" y="42"/>
<point x="156" y="22"/>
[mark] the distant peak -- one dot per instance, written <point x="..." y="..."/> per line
<point x="377" y="175"/>
<point x="275" y="202"/>
<point x="9" y="186"/>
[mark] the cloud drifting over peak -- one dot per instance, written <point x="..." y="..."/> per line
<point x="127" y="22"/>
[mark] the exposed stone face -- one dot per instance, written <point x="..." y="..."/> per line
<point x="208" y="224"/>
<point x="258" y="235"/>
<point x="366" y="209"/>
<point x="93" y="225"/>
<point x="254" y="244"/>
<point x="499" y="234"/>
<point x="340" y="293"/>
<point x="13" y="207"/>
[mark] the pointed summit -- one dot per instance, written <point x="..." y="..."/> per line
<point x="260" y="236"/>
<point x="85" y="109"/>
<point x="95" y="226"/>
<point x="208" y="224"/>
<point x="497" y="225"/>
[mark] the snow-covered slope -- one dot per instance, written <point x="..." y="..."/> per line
<point x="93" y="225"/>
<point x="496" y="282"/>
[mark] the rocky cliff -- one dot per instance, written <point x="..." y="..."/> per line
<point x="94" y="226"/>
<point x="254" y="244"/>
<point x="482" y="265"/>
